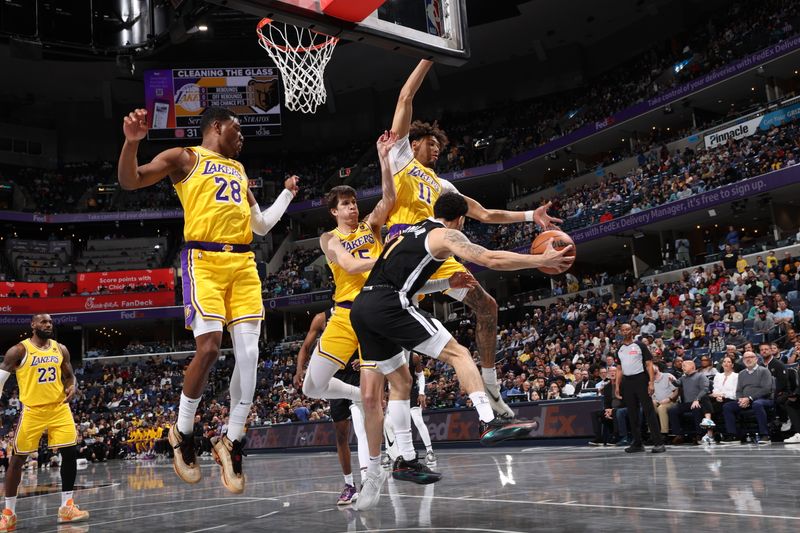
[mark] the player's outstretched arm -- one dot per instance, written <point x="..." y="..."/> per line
<point x="402" y="113"/>
<point x="10" y="363"/>
<point x="444" y="242"/>
<point x="335" y="253"/>
<point x="378" y="217"/>
<point x="130" y="174"/>
<point x="67" y="375"/>
<point x="314" y="331"/>
<point x="502" y="216"/>
<point x="263" y="221"/>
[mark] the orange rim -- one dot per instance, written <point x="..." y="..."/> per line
<point x="329" y="40"/>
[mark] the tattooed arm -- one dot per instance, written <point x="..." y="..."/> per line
<point x="446" y="242"/>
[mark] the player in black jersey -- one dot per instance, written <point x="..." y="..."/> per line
<point x="386" y="322"/>
<point x="342" y="410"/>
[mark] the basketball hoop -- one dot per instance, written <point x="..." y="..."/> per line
<point x="301" y="55"/>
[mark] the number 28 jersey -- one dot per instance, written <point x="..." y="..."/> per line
<point x="417" y="188"/>
<point x="214" y="200"/>
<point x="39" y="375"/>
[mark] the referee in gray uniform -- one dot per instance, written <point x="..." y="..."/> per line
<point x="636" y="382"/>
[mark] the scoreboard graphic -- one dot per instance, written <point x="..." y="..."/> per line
<point x="175" y="99"/>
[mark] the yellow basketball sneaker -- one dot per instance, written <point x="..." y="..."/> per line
<point x="71" y="513"/>
<point x="8" y="520"/>
<point x="184" y="460"/>
<point x="229" y="457"/>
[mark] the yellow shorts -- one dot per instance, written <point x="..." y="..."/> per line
<point x="221" y="286"/>
<point x="56" y="418"/>
<point x="338" y="342"/>
<point x="448" y="268"/>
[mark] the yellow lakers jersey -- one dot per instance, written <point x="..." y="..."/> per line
<point x="361" y="244"/>
<point x="214" y="200"/>
<point x="39" y="375"/>
<point x="417" y="188"/>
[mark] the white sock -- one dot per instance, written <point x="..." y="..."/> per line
<point x="186" y="411"/>
<point x="481" y="403"/>
<point x="416" y="416"/>
<point x="400" y="419"/>
<point x="489" y="376"/>
<point x="11" y="503"/>
<point x="374" y="465"/>
<point x="348" y="479"/>
<point x="237" y="420"/>
<point x="363" y="473"/>
<point x="65" y="497"/>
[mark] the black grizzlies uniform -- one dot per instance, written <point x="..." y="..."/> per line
<point x="383" y="316"/>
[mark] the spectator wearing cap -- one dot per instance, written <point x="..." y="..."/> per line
<point x="753" y="391"/>
<point x="735" y="338"/>
<point x="716" y="323"/>
<point x="763" y="322"/>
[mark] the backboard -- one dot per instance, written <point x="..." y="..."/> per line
<point x="431" y="29"/>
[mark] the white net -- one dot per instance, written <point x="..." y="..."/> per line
<point x="301" y="55"/>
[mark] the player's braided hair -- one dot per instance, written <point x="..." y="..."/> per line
<point x="421" y="129"/>
<point x="340" y="191"/>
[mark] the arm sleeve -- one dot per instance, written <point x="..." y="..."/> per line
<point x="400" y="155"/>
<point x="434" y="285"/>
<point x="421" y="382"/>
<point x="263" y="221"/>
<point x="447" y="186"/>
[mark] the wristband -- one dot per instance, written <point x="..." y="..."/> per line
<point x="528" y="216"/>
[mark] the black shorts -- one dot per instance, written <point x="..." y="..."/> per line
<point x="340" y="407"/>
<point x="384" y="326"/>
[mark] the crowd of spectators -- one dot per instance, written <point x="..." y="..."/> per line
<point x="295" y="276"/>
<point x="560" y="351"/>
<point x="496" y="133"/>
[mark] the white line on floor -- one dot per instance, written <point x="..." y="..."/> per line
<point x="600" y="506"/>
<point x="477" y="529"/>
<point x="207" y="528"/>
<point x="268" y="514"/>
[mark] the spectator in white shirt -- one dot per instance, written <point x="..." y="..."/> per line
<point x="724" y="390"/>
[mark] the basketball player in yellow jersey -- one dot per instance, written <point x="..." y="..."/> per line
<point x="351" y="249"/>
<point x="413" y="159"/>
<point x="220" y="282"/>
<point x="46" y="386"/>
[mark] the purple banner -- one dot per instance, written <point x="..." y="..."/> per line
<point x="96" y="317"/>
<point x="726" y="194"/>
<point x="17" y="216"/>
<point x="554" y="419"/>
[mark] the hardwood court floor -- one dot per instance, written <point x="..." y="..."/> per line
<point x="568" y="488"/>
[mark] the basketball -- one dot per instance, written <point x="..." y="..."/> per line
<point x="561" y="240"/>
